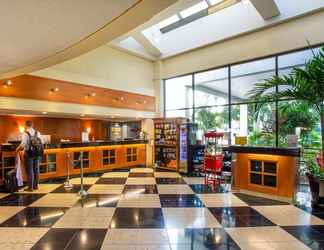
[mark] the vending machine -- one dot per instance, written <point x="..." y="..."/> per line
<point x="184" y="148"/>
<point x="188" y="147"/>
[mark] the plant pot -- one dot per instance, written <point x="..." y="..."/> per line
<point x="317" y="189"/>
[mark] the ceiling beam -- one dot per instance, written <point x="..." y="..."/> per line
<point x="147" y="45"/>
<point x="266" y="8"/>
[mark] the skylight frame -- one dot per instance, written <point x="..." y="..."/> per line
<point x="194" y="9"/>
<point x="168" y="21"/>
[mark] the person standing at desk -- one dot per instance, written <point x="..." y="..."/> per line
<point x="33" y="148"/>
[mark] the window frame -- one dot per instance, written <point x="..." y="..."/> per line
<point x="230" y="104"/>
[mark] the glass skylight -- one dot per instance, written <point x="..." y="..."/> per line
<point x="194" y="9"/>
<point x="168" y="21"/>
<point x="213" y="2"/>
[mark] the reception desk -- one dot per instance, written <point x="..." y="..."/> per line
<point x="98" y="156"/>
<point x="268" y="171"/>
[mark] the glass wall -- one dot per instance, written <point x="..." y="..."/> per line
<point x="295" y="117"/>
<point x="218" y="99"/>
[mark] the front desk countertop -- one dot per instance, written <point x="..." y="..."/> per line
<point x="265" y="150"/>
<point x="6" y="147"/>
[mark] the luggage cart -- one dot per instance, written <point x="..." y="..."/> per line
<point x="213" y="157"/>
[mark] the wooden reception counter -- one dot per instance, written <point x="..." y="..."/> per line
<point x="98" y="156"/>
<point x="265" y="170"/>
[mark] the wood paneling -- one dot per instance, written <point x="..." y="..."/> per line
<point x="286" y="174"/>
<point x="58" y="128"/>
<point x="38" y="88"/>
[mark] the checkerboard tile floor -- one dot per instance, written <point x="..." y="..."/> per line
<point x="146" y="209"/>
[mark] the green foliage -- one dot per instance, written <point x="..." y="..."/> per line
<point x="305" y="85"/>
<point x="206" y="119"/>
<point x="312" y="166"/>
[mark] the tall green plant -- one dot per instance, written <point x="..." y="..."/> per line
<point x="302" y="84"/>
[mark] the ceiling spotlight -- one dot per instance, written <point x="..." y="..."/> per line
<point x="54" y="90"/>
<point x="7" y="84"/>
<point x="90" y="95"/>
<point x="44" y="112"/>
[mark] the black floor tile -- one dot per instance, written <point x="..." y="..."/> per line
<point x="99" y="200"/>
<point x="170" y="181"/>
<point x="312" y="236"/>
<point x="205" y="189"/>
<point x="54" y="181"/>
<point x="137" y="218"/>
<point x="76" y="188"/>
<point x="141" y="175"/>
<point x="314" y="210"/>
<point x="239" y="217"/>
<point x="55" y="238"/>
<point x="20" y="199"/>
<point x="111" y="181"/>
<point x="180" y="200"/>
<point x="201" y="239"/>
<point x="125" y="169"/>
<point x="87" y="239"/>
<point x="140" y="189"/>
<point x="35" y="217"/>
<point x="258" y="201"/>
<point x="98" y="174"/>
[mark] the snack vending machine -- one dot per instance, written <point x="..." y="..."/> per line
<point x="184" y="148"/>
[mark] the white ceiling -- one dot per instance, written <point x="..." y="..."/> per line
<point x="36" y="29"/>
<point x="245" y="16"/>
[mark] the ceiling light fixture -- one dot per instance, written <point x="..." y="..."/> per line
<point x="44" y="113"/>
<point x="117" y="99"/>
<point x="82" y="115"/>
<point x="7" y="84"/>
<point x="222" y="5"/>
<point x="52" y="90"/>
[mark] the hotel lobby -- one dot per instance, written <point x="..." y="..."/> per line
<point x="162" y="124"/>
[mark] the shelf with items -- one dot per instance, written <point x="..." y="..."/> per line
<point x="166" y="142"/>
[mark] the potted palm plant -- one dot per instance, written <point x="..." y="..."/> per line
<point x="305" y="85"/>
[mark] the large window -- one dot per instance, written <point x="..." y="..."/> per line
<point x="245" y="76"/>
<point x="178" y="93"/>
<point x="295" y="117"/>
<point x="211" y="88"/>
<point x="256" y="121"/>
<point x="217" y="102"/>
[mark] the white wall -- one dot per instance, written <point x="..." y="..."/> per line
<point x="103" y="67"/>
<point x="106" y="67"/>
<point x="280" y="38"/>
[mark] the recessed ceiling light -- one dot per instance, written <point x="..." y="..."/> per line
<point x="7" y="84"/>
<point x="52" y="90"/>
<point x="44" y="112"/>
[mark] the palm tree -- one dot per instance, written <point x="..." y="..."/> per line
<point x="305" y="85"/>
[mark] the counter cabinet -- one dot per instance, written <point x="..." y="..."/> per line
<point x="259" y="171"/>
<point x="57" y="162"/>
